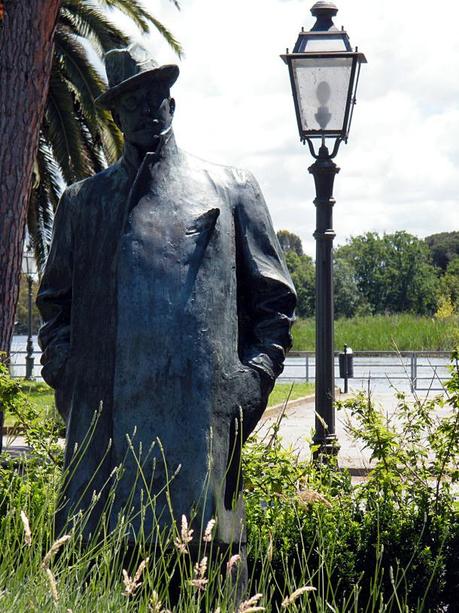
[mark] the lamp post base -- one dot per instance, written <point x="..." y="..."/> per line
<point x="29" y="367"/>
<point x="325" y="448"/>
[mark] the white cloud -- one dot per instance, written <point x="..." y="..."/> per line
<point x="400" y="169"/>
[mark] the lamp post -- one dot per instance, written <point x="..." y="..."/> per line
<point x="29" y="268"/>
<point x="324" y="73"/>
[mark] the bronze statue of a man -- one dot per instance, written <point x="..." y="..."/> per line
<point x="167" y="309"/>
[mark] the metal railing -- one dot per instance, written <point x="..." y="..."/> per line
<point x="422" y="370"/>
<point x="17" y="364"/>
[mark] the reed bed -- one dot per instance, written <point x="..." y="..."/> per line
<point x="401" y="332"/>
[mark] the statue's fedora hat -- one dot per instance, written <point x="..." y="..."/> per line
<point x="130" y="68"/>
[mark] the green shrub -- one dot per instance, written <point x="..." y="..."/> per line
<point x="392" y="540"/>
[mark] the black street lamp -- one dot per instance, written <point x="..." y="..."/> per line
<point x="324" y="73"/>
<point x="29" y="268"/>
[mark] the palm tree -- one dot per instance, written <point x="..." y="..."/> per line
<point x="77" y="138"/>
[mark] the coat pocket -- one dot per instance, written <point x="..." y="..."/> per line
<point x="63" y="392"/>
<point x="204" y="223"/>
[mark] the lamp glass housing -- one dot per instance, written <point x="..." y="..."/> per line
<point x="29" y="266"/>
<point x="315" y="42"/>
<point x="324" y="73"/>
<point x="322" y="90"/>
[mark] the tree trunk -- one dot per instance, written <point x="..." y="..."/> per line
<point x="26" y="48"/>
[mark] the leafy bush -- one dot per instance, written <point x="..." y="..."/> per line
<point x="392" y="540"/>
<point x="44" y="463"/>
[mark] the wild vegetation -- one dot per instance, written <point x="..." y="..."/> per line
<point x="317" y="542"/>
<point x="400" y="332"/>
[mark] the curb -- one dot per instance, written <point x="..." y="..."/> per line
<point x="290" y="404"/>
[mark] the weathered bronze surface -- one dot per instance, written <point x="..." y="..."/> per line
<point x="167" y="306"/>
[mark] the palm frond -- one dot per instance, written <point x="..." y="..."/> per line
<point x="92" y="140"/>
<point x="44" y="197"/>
<point x="94" y="151"/>
<point x="90" y="23"/>
<point x="49" y="172"/>
<point x="86" y="85"/>
<point x="77" y="70"/>
<point x="131" y="8"/>
<point x="112" y="138"/>
<point x="63" y="130"/>
<point x="169" y="37"/>
<point x="143" y="18"/>
<point x="39" y="224"/>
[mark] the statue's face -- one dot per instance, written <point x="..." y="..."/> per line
<point x="144" y="114"/>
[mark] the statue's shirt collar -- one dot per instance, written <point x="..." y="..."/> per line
<point x="132" y="159"/>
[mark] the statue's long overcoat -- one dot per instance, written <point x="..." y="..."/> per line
<point x="167" y="306"/>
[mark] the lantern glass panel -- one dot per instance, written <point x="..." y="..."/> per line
<point x="29" y="266"/>
<point x="326" y="42"/>
<point x="322" y="87"/>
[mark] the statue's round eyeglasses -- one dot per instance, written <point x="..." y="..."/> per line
<point x="136" y="100"/>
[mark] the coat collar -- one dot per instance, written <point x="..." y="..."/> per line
<point x="131" y="159"/>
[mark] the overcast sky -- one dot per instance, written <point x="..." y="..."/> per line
<point x="400" y="169"/>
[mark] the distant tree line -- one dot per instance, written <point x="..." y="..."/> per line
<point x="378" y="274"/>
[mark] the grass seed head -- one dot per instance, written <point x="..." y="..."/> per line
<point x="199" y="582"/>
<point x="54" y="549"/>
<point x="131" y="585"/>
<point x="155" y="605"/>
<point x="232" y="562"/>
<point x="208" y="531"/>
<point x="296" y="594"/>
<point x="308" y="497"/>
<point x="186" y="536"/>
<point x="52" y="585"/>
<point x="27" y="531"/>
<point x="269" y="552"/>
<point x="250" y="605"/>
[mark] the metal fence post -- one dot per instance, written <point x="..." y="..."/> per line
<point x="307" y="368"/>
<point x="413" y="373"/>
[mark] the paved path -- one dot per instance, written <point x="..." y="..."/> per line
<point x="297" y="428"/>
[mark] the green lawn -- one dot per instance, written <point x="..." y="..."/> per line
<point x="40" y="394"/>
<point x="284" y="391"/>
<point x="384" y="333"/>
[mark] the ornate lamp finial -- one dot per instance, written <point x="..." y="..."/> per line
<point x="324" y="11"/>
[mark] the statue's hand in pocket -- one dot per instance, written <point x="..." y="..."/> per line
<point x="253" y="395"/>
<point x="61" y="393"/>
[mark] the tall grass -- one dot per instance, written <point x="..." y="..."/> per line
<point x="39" y="573"/>
<point x="401" y="332"/>
<point x="317" y="542"/>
